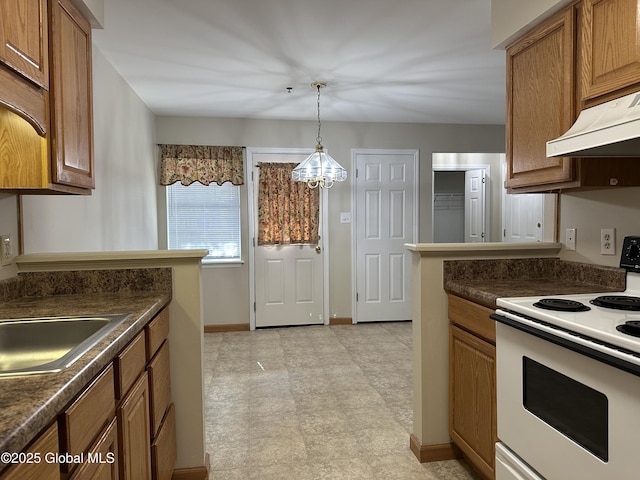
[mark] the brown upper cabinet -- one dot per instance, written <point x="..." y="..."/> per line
<point x="46" y="124"/>
<point x="547" y="71"/>
<point x="23" y="39"/>
<point x="540" y="102"/>
<point x="610" y="46"/>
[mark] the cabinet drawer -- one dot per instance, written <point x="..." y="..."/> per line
<point x="102" y="460"/>
<point x="47" y="442"/>
<point x="157" y="330"/>
<point x="129" y="365"/>
<point x="163" y="449"/>
<point x="159" y="386"/>
<point x="88" y="415"/>
<point x="472" y="317"/>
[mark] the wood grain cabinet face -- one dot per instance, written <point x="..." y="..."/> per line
<point x="46" y="443"/>
<point x="129" y="364"/>
<point x="23" y="39"/>
<point x="473" y="423"/>
<point x="102" y="458"/>
<point x="71" y="96"/>
<point x="135" y="440"/>
<point x="472" y="397"/>
<point x="163" y="449"/>
<point x="540" y="102"/>
<point x="610" y="47"/>
<point x="88" y="414"/>
<point x="160" y="386"/>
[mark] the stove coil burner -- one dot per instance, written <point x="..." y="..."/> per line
<point x="561" y="305"/>
<point x="631" y="327"/>
<point x="618" y="302"/>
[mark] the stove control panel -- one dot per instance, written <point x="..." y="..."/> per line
<point x="630" y="258"/>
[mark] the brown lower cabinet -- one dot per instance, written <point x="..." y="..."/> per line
<point x="46" y="443"/>
<point x="133" y="416"/>
<point x="472" y="383"/>
<point x="106" y="432"/>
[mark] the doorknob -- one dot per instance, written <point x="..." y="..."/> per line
<point x="318" y="249"/>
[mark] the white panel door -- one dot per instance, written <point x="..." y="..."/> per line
<point x="524" y="217"/>
<point x="288" y="278"/>
<point x="385" y="208"/>
<point x="474" y="207"/>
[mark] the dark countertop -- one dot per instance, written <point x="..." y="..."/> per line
<point x="30" y="403"/>
<point x="484" y="281"/>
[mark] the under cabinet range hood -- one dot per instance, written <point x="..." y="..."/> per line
<point x="611" y="129"/>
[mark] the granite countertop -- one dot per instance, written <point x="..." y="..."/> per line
<point x="484" y="281"/>
<point x="30" y="403"/>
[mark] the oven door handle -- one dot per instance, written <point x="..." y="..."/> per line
<point x="590" y="347"/>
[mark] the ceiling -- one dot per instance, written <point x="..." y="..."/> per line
<point x="418" y="61"/>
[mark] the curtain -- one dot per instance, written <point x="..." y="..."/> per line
<point x="288" y="211"/>
<point x="201" y="163"/>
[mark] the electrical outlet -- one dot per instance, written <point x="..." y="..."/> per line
<point x="6" y="251"/>
<point x="608" y="241"/>
<point x="570" y="240"/>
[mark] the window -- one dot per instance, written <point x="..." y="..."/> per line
<point x="200" y="216"/>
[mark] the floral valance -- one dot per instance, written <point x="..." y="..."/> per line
<point x="201" y="163"/>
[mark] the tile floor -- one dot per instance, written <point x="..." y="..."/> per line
<point x="326" y="402"/>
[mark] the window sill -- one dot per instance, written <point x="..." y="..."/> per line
<point x="222" y="263"/>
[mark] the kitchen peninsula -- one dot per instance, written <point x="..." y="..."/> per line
<point x="430" y="439"/>
<point x="143" y="296"/>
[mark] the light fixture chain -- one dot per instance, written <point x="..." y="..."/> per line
<point x="319" y="138"/>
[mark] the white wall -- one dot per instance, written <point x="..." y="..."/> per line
<point x="338" y="138"/>
<point x="590" y="211"/>
<point x="121" y="214"/>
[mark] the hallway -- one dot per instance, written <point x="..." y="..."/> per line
<point x="312" y="403"/>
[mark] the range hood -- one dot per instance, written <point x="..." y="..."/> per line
<point x="611" y="129"/>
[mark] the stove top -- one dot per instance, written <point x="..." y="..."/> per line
<point x="589" y="313"/>
<point x="611" y="317"/>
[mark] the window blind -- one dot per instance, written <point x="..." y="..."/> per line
<point x="200" y="216"/>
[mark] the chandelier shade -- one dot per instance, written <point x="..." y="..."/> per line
<point x="319" y="169"/>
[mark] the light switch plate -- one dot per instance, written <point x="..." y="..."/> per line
<point x="345" y="217"/>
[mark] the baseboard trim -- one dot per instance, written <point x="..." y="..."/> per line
<point x="227" y="327"/>
<point x="341" y="321"/>
<point x="433" y="453"/>
<point x="193" y="473"/>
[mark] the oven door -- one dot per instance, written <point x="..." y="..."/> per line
<point x="564" y="413"/>
<point x="510" y="467"/>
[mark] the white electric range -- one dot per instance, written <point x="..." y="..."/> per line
<point x="568" y="382"/>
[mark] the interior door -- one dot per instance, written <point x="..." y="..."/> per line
<point x="524" y="217"/>
<point x="385" y="218"/>
<point x="474" y="208"/>
<point x="288" y="278"/>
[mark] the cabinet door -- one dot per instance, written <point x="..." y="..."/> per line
<point x="135" y="440"/>
<point x="159" y="386"/>
<point x="610" y="46"/>
<point x="540" y="102"/>
<point x="472" y="398"/>
<point x="71" y="104"/>
<point x="23" y="38"/>
<point x="101" y="462"/>
<point x="46" y="443"/>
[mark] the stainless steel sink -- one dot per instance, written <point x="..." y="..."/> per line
<point x="41" y="345"/>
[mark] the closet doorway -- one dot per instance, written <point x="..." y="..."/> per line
<point x="459" y="205"/>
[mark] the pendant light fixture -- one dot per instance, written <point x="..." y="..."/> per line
<point x="319" y="169"/>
